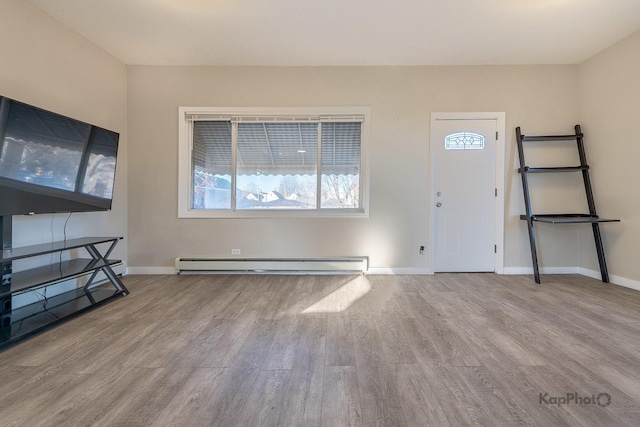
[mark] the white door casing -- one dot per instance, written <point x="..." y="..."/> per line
<point x="467" y="192"/>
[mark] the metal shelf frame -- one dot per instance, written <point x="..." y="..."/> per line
<point x="562" y="218"/>
<point x="17" y="323"/>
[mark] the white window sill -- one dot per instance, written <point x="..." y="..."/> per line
<point x="263" y="213"/>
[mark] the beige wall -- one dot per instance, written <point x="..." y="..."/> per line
<point x="46" y="65"/>
<point x="609" y="100"/>
<point x="538" y="98"/>
<point x="49" y="66"/>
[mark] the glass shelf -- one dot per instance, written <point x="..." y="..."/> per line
<point x="33" y="317"/>
<point x="53" y="273"/>
<point x="53" y="247"/>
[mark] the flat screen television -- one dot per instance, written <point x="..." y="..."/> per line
<point x="51" y="163"/>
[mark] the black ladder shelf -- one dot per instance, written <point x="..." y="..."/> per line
<point x="578" y="218"/>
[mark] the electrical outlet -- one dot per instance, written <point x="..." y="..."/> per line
<point x="235" y="251"/>
<point x="421" y="250"/>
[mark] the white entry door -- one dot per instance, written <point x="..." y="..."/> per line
<point x="464" y="193"/>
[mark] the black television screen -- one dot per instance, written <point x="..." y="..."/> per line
<point x="51" y="163"/>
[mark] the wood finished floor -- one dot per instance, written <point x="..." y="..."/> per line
<point x="251" y="350"/>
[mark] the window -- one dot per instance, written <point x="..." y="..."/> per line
<point x="300" y="162"/>
<point x="464" y="141"/>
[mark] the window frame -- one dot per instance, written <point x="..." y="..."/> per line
<point x="266" y="114"/>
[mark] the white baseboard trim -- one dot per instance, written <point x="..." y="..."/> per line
<point x="120" y="269"/>
<point x="543" y="270"/>
<point x="384" y="270"/>
<point x="616" y="280"/>
<point x="151" y="270"/>
<point x="374" y="270"/>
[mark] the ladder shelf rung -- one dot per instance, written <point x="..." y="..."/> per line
<point x="568" y="218"/>
<point x="529" y="169"/>
<point x="551" y="137"/>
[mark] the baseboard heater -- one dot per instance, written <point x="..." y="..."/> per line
<point x="343" y="265"/>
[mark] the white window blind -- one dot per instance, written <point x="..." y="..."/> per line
<point x="296" y="162"/>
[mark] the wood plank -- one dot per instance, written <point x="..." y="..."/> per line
<point x="340" y="400"/>
<point x="303" y="399"/>
<point x="267" y="400"/>
<point x="394" y="344"/>
<point x="378" y="394"/>
<point x="340" y="350"/>
<point x="507" y="380"/>
<point x="283" y="349"/>
<point x="188" y="402"/>
<point x="54" y="387"/>
<point x="417" y="398"/>
<point x="448" y="345"/>
<point x="450" y="395"/>
<point x="499" y="406"/>
<point x="99" y="399"/>
<point x="145" y="406"/>
<point x="551" y="382"/>
<point x="232" y="394"/>
<point x="450" y="349"/>
<point x="226" y="340"/>
<point x="336" y="296"/>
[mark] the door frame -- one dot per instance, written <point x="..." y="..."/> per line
<point x="500" y="147"/>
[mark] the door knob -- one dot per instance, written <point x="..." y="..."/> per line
<point x="438" y="204"/>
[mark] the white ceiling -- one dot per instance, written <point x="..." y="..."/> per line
<point x="348" y="32"/>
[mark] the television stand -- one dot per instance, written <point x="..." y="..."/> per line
<point x="17" y="323"/>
